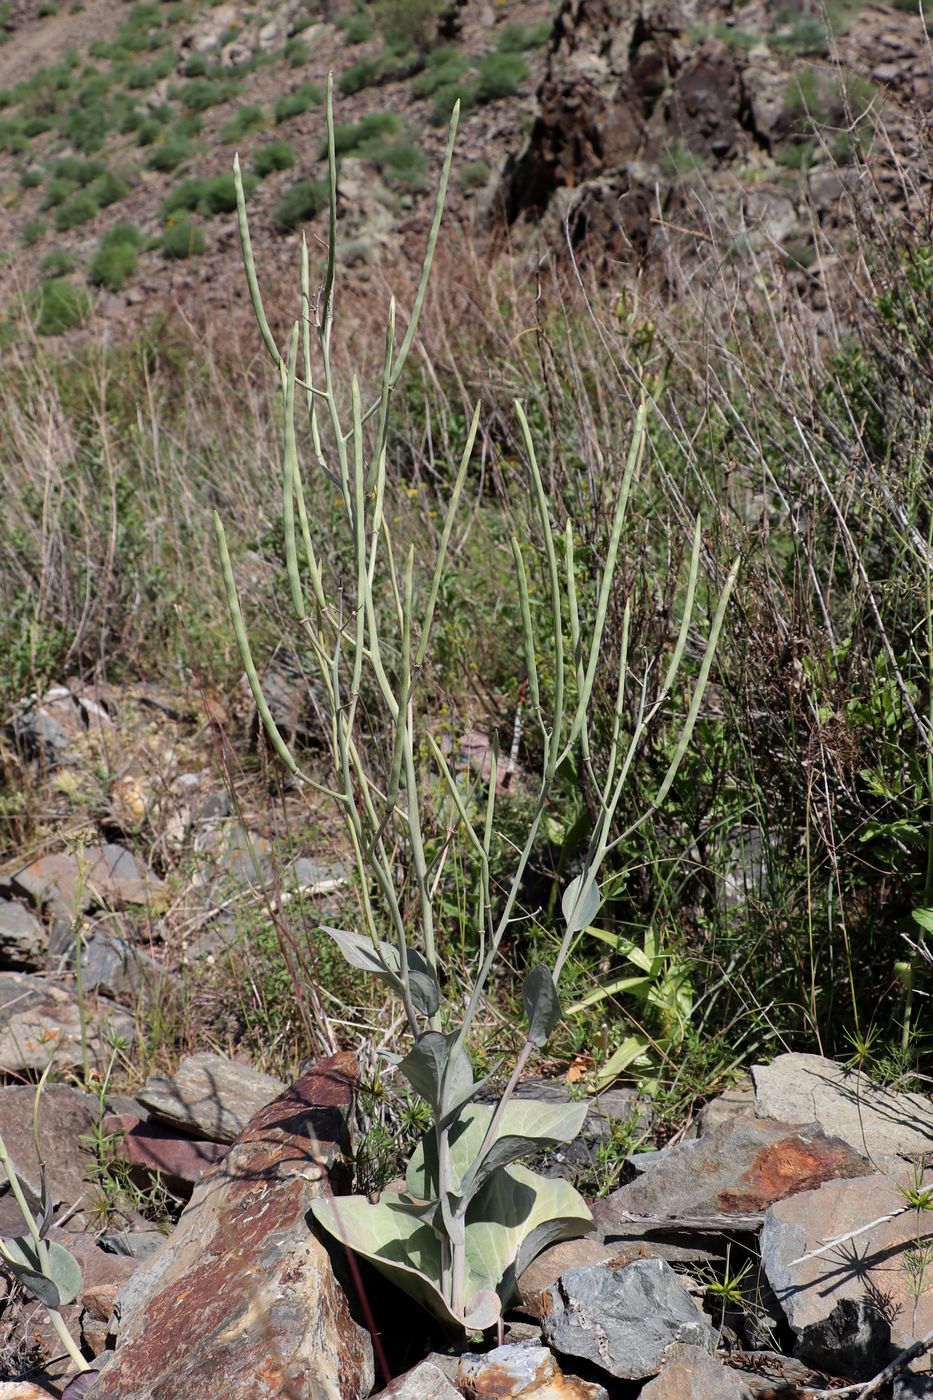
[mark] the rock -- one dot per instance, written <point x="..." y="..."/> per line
<point x="740" y="1168"/>
<point x="40" y="1021"/>
<point x="872" y="1265"/>
<point x="552" y="1263"/>
<point x="853" y="1341"/>
<point x="907" y="1387"/>
<point x="47" y="730"/>
<point x="692" y="1374"/>
<point x="108" y="875"/>
<point x="704" y="102"/>
<point x="423" y="1382"/>
<point x="806" y="1088"/>
<point x="23" y="940"/>
<point x="66" y="1120"/>
<point x="209" y="1095"/>
<point x="623" y="1320"/>
<point x="239" y="857"/>
<point x="113" y="967"/>
<point x="180" y="1161"/>
<point x="737" y="1102"/>
<point x="241" y="1301"/>
<point x="527" y="1371"/>
<point x="135" y="1244"/>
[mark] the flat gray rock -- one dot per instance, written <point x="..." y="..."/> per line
<point x="871" y="1265"/>
<point x="209" y="1096"/>
<point x="23" y="938"/>
<point x="423" y="1382"/>
<point x="40" y="1022"/>
<point x="623" y="1320"/>
<point x="808" y="1089"/>
<point x="114" y="967"/>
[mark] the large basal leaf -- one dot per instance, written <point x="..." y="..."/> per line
<point x="393" y="1236"/>
<point x="542" y="1004"/>
<point x="514" y="1217"/>
<point x="55" y="1283"/>
<point x="527" y="1126"/>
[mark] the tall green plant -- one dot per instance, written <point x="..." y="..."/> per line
<point x="471" y="1217"/>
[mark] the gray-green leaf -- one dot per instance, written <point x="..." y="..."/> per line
<point x="54" y="1285"/>
<point x="580" y="906"/>
<point x="542" y="1004"/>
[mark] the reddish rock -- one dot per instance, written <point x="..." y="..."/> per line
<point x="740" y="1168"/>
<point x="153" y="1147"/>
<point x="548" y="1267"/>
<point x="692" y="1374"/>
<point x="241" y="1301"/>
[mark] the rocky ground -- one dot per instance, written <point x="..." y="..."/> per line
<point x="780" y="1251"/>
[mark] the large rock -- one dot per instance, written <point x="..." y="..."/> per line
<point x="66" y="1121"/>
<point x="552" y="1263"/>
<point x="155" y="1149"/>
<point x="623" y="1320"/>
<point x="209" y="1096"/>
<point x="873" y="1265"/>
<point x="806" y="1088"/>
<point x="40" y="1021"/>
<point x="739" y="1168"/>
<point x="241" y="1302"/>
<point x="108" y="875"/>
<point x="692" y="1374"/>
<point x="529" y="1372"/>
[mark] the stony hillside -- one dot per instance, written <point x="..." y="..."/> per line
<point x="119" y="124"/>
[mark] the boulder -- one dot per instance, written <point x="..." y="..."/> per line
<point x="623" y="1319"/>
<point x="241" y="1301"/>
<point x="529" y="1372"/>
<point x="738" y="1168"/>
<point x="692" y="1374"/>
<point x="806" y="1088"/>
<point x="552" y="1264"/>
<point x="108" y="876"/>
<point x="873" y="1265"/>
<point x="209" y="1096"/>
<point x="115" y="968"/>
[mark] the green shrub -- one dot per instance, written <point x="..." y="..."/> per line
<point x="32" y="231"/>
<point x="301" y="99"/>
<point x="274" y="155"/>
<point x="126" y="234"/>
<point x="58" y="306"/>
<point x="407" y="24"/>
<point x="86" y="128"/>
<point x="359" y="75"/>
<point x="350" y="136"/>
<point x="36" y="123"/>
<point x="56" y="263"/>
<point x="216" y="195"/>
<point x="301" y="203"/>
<point x="107" y="189"/>
<point x="201" y="93"/>
<point x="473" y="174"/>
<point x="500" y="75"/>
<point x="187" y="127"/>
<point x="56" y="192"/>
<point x="13" y="138"/>
<point x="196" y="66"/>
<point x="796" y="156"/>
<point x="46" y="8"/>
<point x="111" y="266"/>
<point x="443" y="67"/>
<point x="245" y="122"/>
<point x="170" y="154"/>
<point x="402" y="164"/>
<point x="357" y="28"/>
<point x="80" y="172"/>
<point x="516" y="38"/>
<point x="804" y="34"/>
<point x="183" y="239"/>
<point x="297" y="53"/>
<point x="31" y="177"/>
<point x="466" y="92"/>
<point x="76" y="210"/>
<point x="145" y="75"/>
